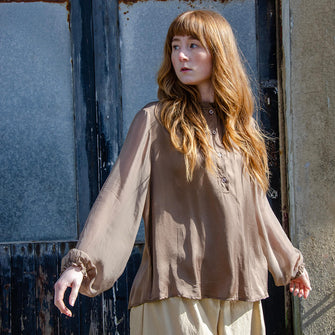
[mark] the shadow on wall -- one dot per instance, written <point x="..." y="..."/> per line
<point x="319" y="310"/>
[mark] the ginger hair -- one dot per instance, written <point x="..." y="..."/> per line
<point x="181" y="107"/>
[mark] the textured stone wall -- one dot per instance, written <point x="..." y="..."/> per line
<point x="308" y="29"/>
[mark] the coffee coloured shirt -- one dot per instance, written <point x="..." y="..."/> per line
<point x="213" y="237"/>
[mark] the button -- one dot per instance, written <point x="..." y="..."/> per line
<point x="224" y="180"/>
<point x="211" y="112"/>
<point x="219" y="154"/>
<point x="213" y="131"/>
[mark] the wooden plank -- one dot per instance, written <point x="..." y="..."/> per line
<point x="46" y="268"/>
<point x="5" y="285"/>
<point x="68" y="325"/>
<point x="116" y="313"/>
<point x="115" y="308"/>
<point x="29" y="299"/>
<point x="23" y="289"/>
<point x="134" y="263"/>
<point x="84" y="106"/>
<point x="107" y="83"/>
<point x="121" y="305"/>
<point x="108" y="311"/>
<point x="91" y="315"/>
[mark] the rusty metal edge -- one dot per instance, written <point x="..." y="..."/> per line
<point x="132" y="2"/>
<point x="49" y="1"/>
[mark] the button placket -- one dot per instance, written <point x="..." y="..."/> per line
<point x="214" y="129"/>
<point x="221" y="175"/>
<point x="213" y="122"/>
<point x="211" y="119"/>
<point x="223" y="182"/>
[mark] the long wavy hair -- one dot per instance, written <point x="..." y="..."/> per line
<point x="181" y="104"/>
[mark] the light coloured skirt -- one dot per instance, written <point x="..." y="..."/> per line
<point x="179" y="316"/>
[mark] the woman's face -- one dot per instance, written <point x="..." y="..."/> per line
<point x="192" y="63"/>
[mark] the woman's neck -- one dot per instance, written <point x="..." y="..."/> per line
<point x="206" y="93"/>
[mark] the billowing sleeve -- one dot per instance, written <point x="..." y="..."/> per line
<point x="284" y="260"/>
<point x="107" y="239"/>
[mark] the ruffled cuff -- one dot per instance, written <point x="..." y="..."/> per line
<point x="300" y="271"/>
<point x="80" y="259"/>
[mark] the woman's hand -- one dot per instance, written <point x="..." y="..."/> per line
<point x="71" y="277"/>
<point x="301" y="285"/>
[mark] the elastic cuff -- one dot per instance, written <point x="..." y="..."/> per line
<point x="300" y="271"/>
<point x="74" y="264"/>
<point x="77" y="258"/>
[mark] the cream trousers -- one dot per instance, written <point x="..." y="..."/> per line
<point x="179" y="316"/>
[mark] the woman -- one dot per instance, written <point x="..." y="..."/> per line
<point x="194" y="166"/>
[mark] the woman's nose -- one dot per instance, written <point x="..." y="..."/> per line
<point x="183" y="56"/>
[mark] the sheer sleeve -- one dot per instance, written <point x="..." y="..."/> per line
<point x="284" y="260"/>
<point x="107" y="239"/>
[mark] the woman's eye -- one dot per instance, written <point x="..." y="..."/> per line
<point x="175" y="47"/>
<point x="193" y="45"/>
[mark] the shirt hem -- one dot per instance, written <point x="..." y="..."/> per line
<point x="163" y="297"/>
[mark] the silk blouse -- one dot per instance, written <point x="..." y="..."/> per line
<point x="213" y="237"/>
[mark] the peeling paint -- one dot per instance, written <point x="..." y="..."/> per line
<point x="68" y="8"/>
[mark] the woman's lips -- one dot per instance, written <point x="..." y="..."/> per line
<point x="185" y="69"/>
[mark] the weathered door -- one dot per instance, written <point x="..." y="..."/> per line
<point x="115" y="50"/>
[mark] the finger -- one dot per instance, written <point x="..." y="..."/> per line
<point x="306" y="279"/>
<point x="301" y="292"/>
<point x="291" y="286"/>
<point x="308" y="283"/>
<point x="59" y="295"/>
<point x="60" y="289"/>
<point x="306" y="293"/>
<point x="74" y="293"/>
<point x="297" y="289"/>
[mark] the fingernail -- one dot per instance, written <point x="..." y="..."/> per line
<point x="72" y="302"/>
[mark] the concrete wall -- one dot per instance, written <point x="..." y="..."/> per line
<point x="309" y="100"/>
